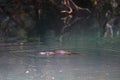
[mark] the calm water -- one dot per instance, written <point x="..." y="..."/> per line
<point x="23" y="62"/>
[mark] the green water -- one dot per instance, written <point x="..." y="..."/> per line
<point x="97" y="59"/>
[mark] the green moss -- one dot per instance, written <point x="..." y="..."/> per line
<point x="23" y="35"/>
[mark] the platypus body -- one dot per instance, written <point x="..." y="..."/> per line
<point x="56" y="52"/>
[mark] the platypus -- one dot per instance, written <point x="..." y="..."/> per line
<point x="56" y="52"/>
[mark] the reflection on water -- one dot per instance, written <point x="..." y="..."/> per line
<point x="22" y="62"/>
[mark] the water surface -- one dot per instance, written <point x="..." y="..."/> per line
<point x="23" y="62"/>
